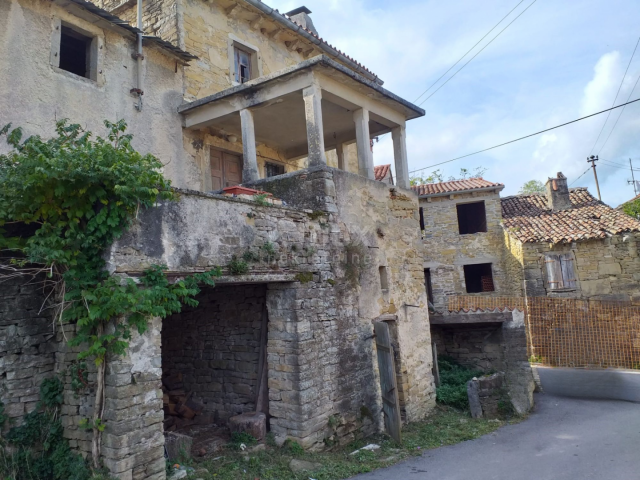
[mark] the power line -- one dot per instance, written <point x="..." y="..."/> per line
<point x="617" y="119"/>
<point x="479" y="52"/>
<point x="526" y="136"/>
<point x="583" y="174"/>
<point x="468" y="51"/>
<point x="616" y="166"/>
<point x="616" y="97"/>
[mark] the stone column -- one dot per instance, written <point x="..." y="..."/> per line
<point x="315" y="132"/>
<point x="363" y="142"/>
<point x="250" y="159"/>
<point x="340" y="154"/>
<point x="399" y="136"/>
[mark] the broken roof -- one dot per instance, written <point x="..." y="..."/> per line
<point x="455" y="186"/>
<point x="529" y="219"/>
<point x="321" y="43"/>
<point x="381" y="171"/>
<point x="118" y="23"/>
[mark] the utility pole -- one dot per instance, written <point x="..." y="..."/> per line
<point x="593" y="159"/>
<point x="633" y="179"/>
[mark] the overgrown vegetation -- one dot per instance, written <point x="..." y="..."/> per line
<point x="37" y="450"/>
<point x="63" y="201"/>
<point x="446" y="426"/>
<point x="632" y="208"/>
<point x="262" y="199"/>
<point x="453" y="383"/>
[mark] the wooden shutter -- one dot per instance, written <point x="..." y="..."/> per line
<point x="388" y="385"/>
<point x="554" y="272"/>
<point x="568" y="272"/>
<point x="217" y="177"/>
<point x="232" y="169"/>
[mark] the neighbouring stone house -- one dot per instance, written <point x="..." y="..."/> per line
<point x="566" y="243"/>
<point x="228" y="93"/>
<point x="383" y="173"/>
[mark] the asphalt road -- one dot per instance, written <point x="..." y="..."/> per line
<point x="564" y="438"/>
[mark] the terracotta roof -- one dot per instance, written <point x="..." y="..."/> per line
<point x="380" y="171"/>
<point x="528" y="218"/>
<point x="454" y="186"/>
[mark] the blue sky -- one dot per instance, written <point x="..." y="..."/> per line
<point x="560" y="60"/>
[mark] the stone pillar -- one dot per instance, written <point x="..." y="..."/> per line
<point x="250" y="159"/>
<point x="399" y="136"/>
<point x="340" y="154"/>
<point x="363" y="142"/>
<point x="315" y="132"/>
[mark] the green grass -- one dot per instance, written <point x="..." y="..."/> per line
<point x="445" y="426"/>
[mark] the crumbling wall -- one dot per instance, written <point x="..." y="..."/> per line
<point x="477" y="346"/>
<point x="27" y="345"/>
<point x="446" y="251"/>
<point x="216" y="345"/>
<point x="606" y="269"/>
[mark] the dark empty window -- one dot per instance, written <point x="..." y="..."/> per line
<point x="75" y="50"/>
<point x="243" y="65"/>
<point x="478" y="278"/>
<point x="273" y="169"/>
<point x="427" y="284"/>
<point x="471" y="218"/>
<point x="421" y="219"/>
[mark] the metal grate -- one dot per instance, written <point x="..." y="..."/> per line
<point x="566" y="332"/>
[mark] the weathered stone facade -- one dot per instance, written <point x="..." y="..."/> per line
<point x="606" y="269"/>
<point x="447" y="251"/>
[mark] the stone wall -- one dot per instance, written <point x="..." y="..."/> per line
<point x="492" y="347"/>
<point x="216" y="345"/>
<point x="27" y="345"/>
<point x="446" y="251"/>
<point x="606" y="269"/>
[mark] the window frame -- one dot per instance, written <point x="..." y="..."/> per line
<point x="94" y="52"/>
<point x="235" y="43"/>
<point x="273" y="164"/>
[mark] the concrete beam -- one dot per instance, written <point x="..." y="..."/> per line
<point x="315" y="132"/>
<point x="467" y="318"/>
<point x="250" y="158"/>
<point x="399" y="136"/>
<point x="363" y="142"/>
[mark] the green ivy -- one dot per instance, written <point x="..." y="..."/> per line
<point x="63" y="201"/>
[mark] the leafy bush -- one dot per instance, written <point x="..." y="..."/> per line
<point x="453" y="383"/>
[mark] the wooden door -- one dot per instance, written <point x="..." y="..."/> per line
<point x="232" y="169"/>
<point x="217" y="175"/>
<point x="388" y="385"/>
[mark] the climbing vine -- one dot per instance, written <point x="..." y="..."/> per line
<point x="63" y="201"/>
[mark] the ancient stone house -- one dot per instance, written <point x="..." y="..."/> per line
<point x="228" y="93"/>
<point x="566" y="243"/>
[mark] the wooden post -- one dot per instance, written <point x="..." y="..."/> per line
<point x="436" y="369"/>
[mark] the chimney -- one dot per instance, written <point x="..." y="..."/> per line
<point x="301" y="16"/>
<point x="558" y="193"/>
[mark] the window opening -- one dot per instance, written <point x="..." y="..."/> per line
<point x="427" y="284"/>
<point x="472" y="218"/>
<point x="384" y="280"/>
<point x="273" y="169"/>
<point x="243" y="65"/>
<point x="478" y="278"/>
<point x="75" y="51"/>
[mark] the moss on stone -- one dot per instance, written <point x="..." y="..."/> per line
<point x="331" y="282"/>
<point x="315" y="214"/>
<point x="304" y="277"/>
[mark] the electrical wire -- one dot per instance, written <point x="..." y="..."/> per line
<point x="621" y="112"/>
<point x="479" y="52"/>
<point x="468" y="51"/>
<point x="616" y="98"/>
<point x="583" y="174"/>
<point x="526" y="136"/>
<point x="621" y="168"/>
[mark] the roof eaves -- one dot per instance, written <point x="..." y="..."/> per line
<point x="496" y="188"/>
<point x="315" y="39"/>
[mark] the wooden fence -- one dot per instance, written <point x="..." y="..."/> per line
<point x="566" y="332"/>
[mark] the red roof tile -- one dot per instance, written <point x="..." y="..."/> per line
<point x="381" y="171"/>
<point x="529" y="219"/>
<point x="454" y="186"/>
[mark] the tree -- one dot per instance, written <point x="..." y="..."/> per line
<point x="532" y="186"/>
<point x="632" y="208"/>
<point x="437" y="176"/>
